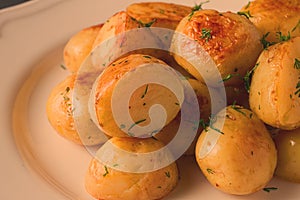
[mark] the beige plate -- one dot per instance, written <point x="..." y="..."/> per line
<point x="36" y="163"/>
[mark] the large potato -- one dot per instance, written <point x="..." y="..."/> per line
<point x="164" y="15"/>
<point x="104" y="182"/>
<point x="288" y="147"/>
<point x="230" y="40"/>
<point x="274" y="90"/>
<point x="141" y="100"/>
<point x="274" y="16"/>
<point x="243" y="159"/>
<point x="79" y="46"/>
<point x="59" y="110"/>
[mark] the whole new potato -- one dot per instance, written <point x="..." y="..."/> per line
<point x="275" y="87"/>
<point x="239" y="158"/>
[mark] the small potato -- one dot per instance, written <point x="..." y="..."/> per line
<point x="288" y="147"/>
<point x="104" y="182"/>
<point x="164" y="15"/>
<point x="231" y="41"/>
<point x="140" y="102"/>
<point x="118" y="23"/>
<point x="60" y="110"/>
<point x="239" y="158"/>
<point x="79" y="46"/>
<point x="274" y="90"/>
<point x="274" y="16"/>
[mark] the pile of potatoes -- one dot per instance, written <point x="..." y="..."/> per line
<point x="240" y="147"/>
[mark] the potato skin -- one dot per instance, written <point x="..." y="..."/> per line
<point x="233" y="43"/>
<point x="139" y="107"/>
<point x="273" y="91"/>
<point x="59" y="110"/>
<point x="244" y="158"/>
<point x="275" y="16"/>
<point x="288" y="147"/>
<point x="103" y="182"/>
<point x="79" y="46"/>
<point x="164" y="15"/>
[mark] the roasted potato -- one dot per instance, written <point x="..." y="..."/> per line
<point x="274" y="17"/>
<point x="59" y="110"/>
<point x="104" y="182"/>
<point x="164" y="15"/>
<point x="140" y="101"/>
<point x="274" y="90"/>
<point x="288" y="147"/>
<point x="239" y="157"/>
<point x="229" y="40"/>
<point x="79" y="46"/>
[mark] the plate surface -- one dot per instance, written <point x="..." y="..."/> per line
<point x="36" y="163"/>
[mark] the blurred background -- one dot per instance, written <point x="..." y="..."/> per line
<point x="7" y="3"/>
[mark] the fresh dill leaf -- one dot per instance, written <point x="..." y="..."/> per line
<point x="245" y="13"/>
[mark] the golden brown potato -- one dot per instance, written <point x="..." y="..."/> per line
<point x="239" y="158"/>
<point x="273" y="16"/>
<point x="288" y="147"/>
<point x="60" y="110"/>
<point x="79" y="46"/>
<point x="104" y="182"/>
<point x="274" y="90"/>
<point x="140" y="102"/>
<point x="118" y="23"/>
<point x="164" y="15"/>
<point x="230" y="40"/>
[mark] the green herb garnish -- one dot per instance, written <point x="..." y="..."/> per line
<point x="210" y="171"/>
<point x="297" y="26"/>
<point x="297" y="64"/>
<point x="237" y="108"/>
<point x="283" y="38"/>
<point x="269" y="189"/>
<point x="298" y="89"/>
<point x="63" y="66"/>
<point x="264" y="42"/>
<point x="196" y="8"/>
<point x="206" y="34"/>
<point x="168" y="174"/>
<point x="245" y="13"/>
<point x="145" y="92"/>
<point x="136" y="123"/>
<point x="106" y="171"/>
<point x="248" y="76"/>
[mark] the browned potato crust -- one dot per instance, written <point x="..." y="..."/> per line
<point x="79" y="46"/>
<point x="164" y="15"/>
<point x="273" y="16"/>
<point x="231" y="40"/>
